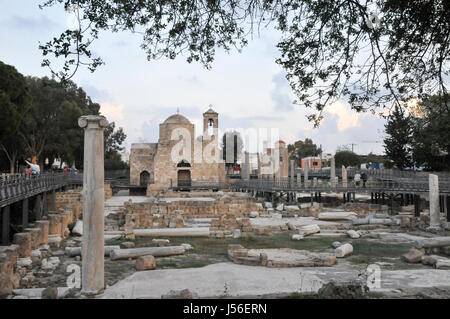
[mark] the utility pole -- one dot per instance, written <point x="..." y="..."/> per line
<point x="352" y="144"/>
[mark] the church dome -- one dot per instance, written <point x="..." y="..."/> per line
<point x="176" y="119"/>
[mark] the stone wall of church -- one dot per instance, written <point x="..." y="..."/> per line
<point x="142" y="159"/>
<point x="176" y="143"/>
<point x="170" y="152"/>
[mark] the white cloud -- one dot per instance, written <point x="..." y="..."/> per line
<point x="111" y="111"/>
<point x="346" y="117"/>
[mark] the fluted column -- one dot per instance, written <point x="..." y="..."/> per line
<point x="92" y="271"/>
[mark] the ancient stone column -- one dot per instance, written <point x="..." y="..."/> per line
<point x="92" y="270"/>
<point x="434" y="201"/>
<point x="292" y="175"/>
<point x="299" y="179"/>
<point x="23" y="240"/>
<point x="344" y="176"/>
<point x="306" y="173"/>
<point x="333" y="173"/>
<point x="246" y="168"/>
<point x="44" y="226"/>
<point x="259" y="167"/>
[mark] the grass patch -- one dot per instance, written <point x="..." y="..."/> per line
<point x="367" y="252"/>
<point x="211" y="250"/>
<point x="377" y="249"/>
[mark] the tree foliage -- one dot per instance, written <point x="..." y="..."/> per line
<point x="398" y="140"/>
<point x="113" y="139"/>
<point x="43" y="122"/>
<point x="422" y="137"/>
<point x="14" y="100"/>
<point x="431" y="135"/>
<point x="301" y="149"/>
<point x="372" y="53"/>
<point x="346" y="158"/>
<point x="14" y="103"/>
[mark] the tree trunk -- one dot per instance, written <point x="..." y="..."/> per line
<point x="12" y="161"/>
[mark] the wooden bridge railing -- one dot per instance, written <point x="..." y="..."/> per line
<point x="18" y="186"/>
<point x="291" y="185"/>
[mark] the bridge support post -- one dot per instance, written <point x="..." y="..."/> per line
<point x="416" y="205"/>
<point x="392" y="203"/>
<point x="92" y="268"/>
<point x="44" y="204"/>
<point x="447" y="207"/>
<point x="24" y="213"/>
<point x="343" y="197"/>
<point x="371" y="197"/>
<point x="37" y="207"/>
<point x="53" y="200"/>
<point x="5" y="225"/>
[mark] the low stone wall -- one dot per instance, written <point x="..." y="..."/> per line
<point x="38" y="236"/>
<point x="227" y="211"/>
<point x="364" y="209"/>
<point x="71" y="199"/>
<point x="229" y="222"/>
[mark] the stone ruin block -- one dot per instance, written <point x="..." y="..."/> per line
<point x="23" y="242"/>
<point x="44" y="227"/>
<point x="35" y="237"/>
<point x="9" y="279"/>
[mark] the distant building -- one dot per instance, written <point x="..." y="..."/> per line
<point x="314" y="162"/>
<point x="273" y="162"/>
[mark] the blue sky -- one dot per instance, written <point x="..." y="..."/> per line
<point x="248" y="89"/>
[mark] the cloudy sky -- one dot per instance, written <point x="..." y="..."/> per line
<point x="248" y="89"/>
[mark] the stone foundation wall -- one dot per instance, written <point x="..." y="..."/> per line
<point x="71" y="199"/>
<point x="227" y="213"/>
<point x="364" y="209"/>
<point x="38" y="237"/>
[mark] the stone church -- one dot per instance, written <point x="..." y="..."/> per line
<point x="178" y="159"/>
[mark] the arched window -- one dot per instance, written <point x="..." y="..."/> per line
<point x="183" y="163"/>
<point x="144" y="178"/>
<point x="210" y="127"/>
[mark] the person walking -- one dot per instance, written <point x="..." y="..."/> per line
<point x="364" y="178"/>
<point x="35" y="169"/>
<point x="357" y="179"/>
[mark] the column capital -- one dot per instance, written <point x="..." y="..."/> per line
<point x="92" y="121"/>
